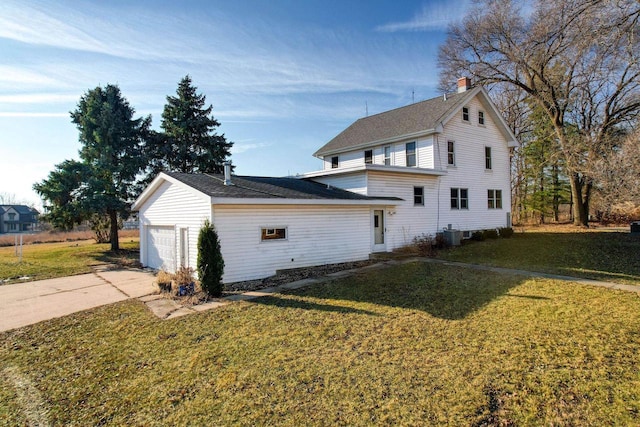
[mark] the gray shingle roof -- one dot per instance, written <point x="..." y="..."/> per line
<point x="410" y="119"/>
<point x="266" y="187"/>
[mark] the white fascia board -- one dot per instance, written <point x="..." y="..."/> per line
<point x="377" y="168"/>
<point x="157" y="182"/>
<point x="385" y="141"/>
<point x="297" y="202"/>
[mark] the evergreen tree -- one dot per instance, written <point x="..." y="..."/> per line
<point x="210" y="262"/>
<point x="189" y="142"/>
<point x="102" y="183"/>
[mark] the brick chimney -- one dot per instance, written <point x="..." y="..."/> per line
<point x="464" y="84"/>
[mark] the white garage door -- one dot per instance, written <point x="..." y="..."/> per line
<point x="161" y="248"/>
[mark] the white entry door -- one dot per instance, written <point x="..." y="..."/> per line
<point x="378" y="231"/>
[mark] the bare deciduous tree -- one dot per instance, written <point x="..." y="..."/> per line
<point x="577" y="59"/>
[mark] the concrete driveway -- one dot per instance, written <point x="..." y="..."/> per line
<point x="23" y="304"/>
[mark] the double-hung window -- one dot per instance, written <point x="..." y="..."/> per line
<point x="487" y="157"/>
<point x="451" y="153"/>
<point x="481" y="118"/>
<point x="459" y="198"/>
<point x="368" y="157"/>
<point x="387" y="155"/>
<point x="494" y="199"/>
<point x="411" y="154"/>
<point x="465" y="114"/>
<point x="418" y="196"/>
<point x="334" y="162"/>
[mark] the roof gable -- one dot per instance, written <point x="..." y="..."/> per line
<point x="419" y="119"/>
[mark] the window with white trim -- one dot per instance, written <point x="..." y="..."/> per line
<point x="267" y="234"/>
<point x="411" y="154"/>
<point x="481" y="118"/>
<point x="368" y="157"/>
<point x="459" y="198"/>
<point x="387" y="155"/>
<point x="494" y="199"/>
<point x="465" y="114"/>
<point x="334" y="162"/>
<point x="451" y="153"/>
<point x="418" y="196"/>
<point x="487" y="157"/>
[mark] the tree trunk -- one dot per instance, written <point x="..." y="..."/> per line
<point x="113" y="218"/>
<point x="580" y="209"/>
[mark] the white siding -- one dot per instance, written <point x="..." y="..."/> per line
<point x="406" y="220"/>
<point x="316" y="235"/>
<point x="354" y="158"/>
<point x="356" y="182"/>
<point x="176" y="206"/>
<point x="469" y="171"/>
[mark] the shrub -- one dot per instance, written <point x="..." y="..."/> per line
<point x="185" y="281"/>
<point x="491" y="233"/>
<point x="506" y="232"/>
<point x="425" y="244"/>
<point x="478" y="236"/>
<point x="210" y="262"/>
<point x="164" y="279"/>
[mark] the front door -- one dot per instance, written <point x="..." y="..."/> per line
<point x="378" y="231"/>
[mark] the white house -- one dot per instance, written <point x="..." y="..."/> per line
<point x="387" y="178"/>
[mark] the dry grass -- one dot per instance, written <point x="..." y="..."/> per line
<point x="412" y="345"/>
<point x="59" y="236"/>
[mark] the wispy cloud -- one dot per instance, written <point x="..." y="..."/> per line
<point x="432" y="16"/>
<point x="244" y="146"/>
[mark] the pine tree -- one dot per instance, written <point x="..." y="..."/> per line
<point x="210" y="262"/>
<point x="189" y="142"/>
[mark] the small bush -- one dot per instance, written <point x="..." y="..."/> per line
<point x="478" y="236"/>
<point x="185" y="281"/>
<point x="491" y="233"/>
<point x="164" y="279"/>
<point x="425" y="244"/>
<point x="506" y="232"/>
<point x="210" y="262"/>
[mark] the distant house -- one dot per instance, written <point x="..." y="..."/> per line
<point x="17" y="218"/>
<point x="386" y="179"/>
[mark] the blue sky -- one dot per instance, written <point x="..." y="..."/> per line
<point x="284" y="77"/>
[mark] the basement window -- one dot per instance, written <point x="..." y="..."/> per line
<point x="273" y="234"/>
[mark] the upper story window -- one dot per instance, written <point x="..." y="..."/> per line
<point x="12" y="216"/>
<point x="494" y="199"/>
<point x="418" y="196"/>
<point x="451" y="153"/>
<point x="487" y="157"/>
<point x="334" y="162"/>
<point x="387" y="155"/>
<point x="459" y="198"/>
<point x="411" y="154"/>
<point x="465" y="114"/>
<point x="368" y="157"/>
<point x="481" y="118"/>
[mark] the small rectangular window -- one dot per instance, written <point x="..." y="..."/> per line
<point x="411" y="154"/>
<point x="451" y="153"/>
<point x="387" y="155"/>
<point x="494" y="199"/>
<point x="368" y="157"/>
<point x="418" y="196"/>
<point x="273" y="234"/>
<point x="487" y="157"/>
<point x="465" y="114"/>
<point x="334" y="162"/>
<point x="481" y="118"/>
<point x="459" y="198"/>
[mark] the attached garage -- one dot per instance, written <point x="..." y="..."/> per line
<point x="161" y="247"/>
<point x="264" y="224"/>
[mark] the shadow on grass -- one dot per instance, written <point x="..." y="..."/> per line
<point x="126" y="258"/>
<point x="446" y="292"/>
<point x="292" y="302"/>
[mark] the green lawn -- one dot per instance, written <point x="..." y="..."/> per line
<point x="416" y="344"/>
<point x="598" y="255"/>
<point x="47" y="260"/>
